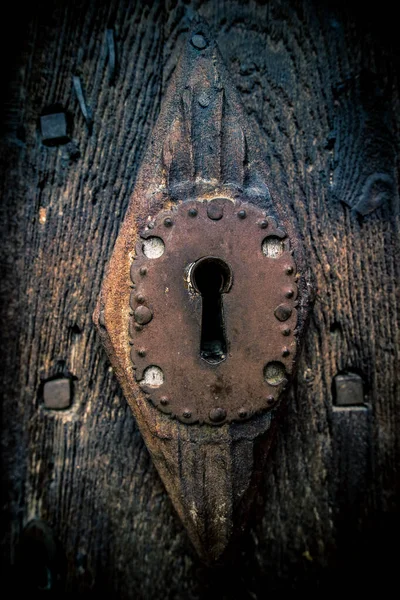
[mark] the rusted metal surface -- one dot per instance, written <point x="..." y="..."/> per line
<point x="205" y="299"/>
<point x="259" y="317"/>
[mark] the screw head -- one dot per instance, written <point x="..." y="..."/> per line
<point x="150" y="225"/>
<point x="164" y="401"/>
<point x="263" y="224"/>
<point x="242" y="413"/>
<point x="286" y="331"/>
<point x="140" y="299"/>
<point x="141" y="352"/>
<point x="217" y="415"/>
<point x="186" y="414"/>
<point x="168" y="222"/>
<point x="192" y="212"/>
<point x="143" y="270"/>
<point x="285" y="351"/>
<point x="242" y="214"/>
<point x="199" y="41"/>
<point x="270" y="400"/>
<point x="54" y="127"/>
<point x="289" y="293"/>
<point x="289" y="270"/>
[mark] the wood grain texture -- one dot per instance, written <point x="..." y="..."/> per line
<point x="323" y="85"/>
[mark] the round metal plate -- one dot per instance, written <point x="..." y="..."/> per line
<point x="259" y="311"/>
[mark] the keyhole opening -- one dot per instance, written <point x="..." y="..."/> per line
<point x="212" y="277"/>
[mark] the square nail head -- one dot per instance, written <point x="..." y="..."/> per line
<point x="54" y="128"/>
<point x="349" y="390"/>
<point x="57" y="393"/>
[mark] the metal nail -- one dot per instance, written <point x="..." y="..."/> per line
<point x="112" y="60"/>
<point x="57" y="393"/>
<point x="199" y="41"/>
<point x="87" y="113"/>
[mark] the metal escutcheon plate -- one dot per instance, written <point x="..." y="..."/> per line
<point x="258" y="311"/>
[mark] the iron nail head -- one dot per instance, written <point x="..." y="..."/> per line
<point x="204" y="99"/>
<point x="199" y="41"/>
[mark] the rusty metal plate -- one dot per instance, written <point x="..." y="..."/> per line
<point x="243" y="372"/>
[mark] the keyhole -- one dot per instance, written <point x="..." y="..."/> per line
<point x="212" y="277"/>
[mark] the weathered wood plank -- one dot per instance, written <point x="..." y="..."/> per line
<point x="323" y="85"/>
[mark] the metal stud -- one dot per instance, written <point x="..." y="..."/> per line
<point x="217" y="415"/>
<point x="57" y="393"/>
<point x="199" y="41"/>
<point x="348" y="390"/>
<point x="54" y="128"/>
<point x="204" y="100"/>
<point x="143" y="315"/>
<point x="215" y="209"/>
<point x="283" y="312"/>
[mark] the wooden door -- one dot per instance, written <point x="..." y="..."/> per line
<point x="322" y="81"/>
